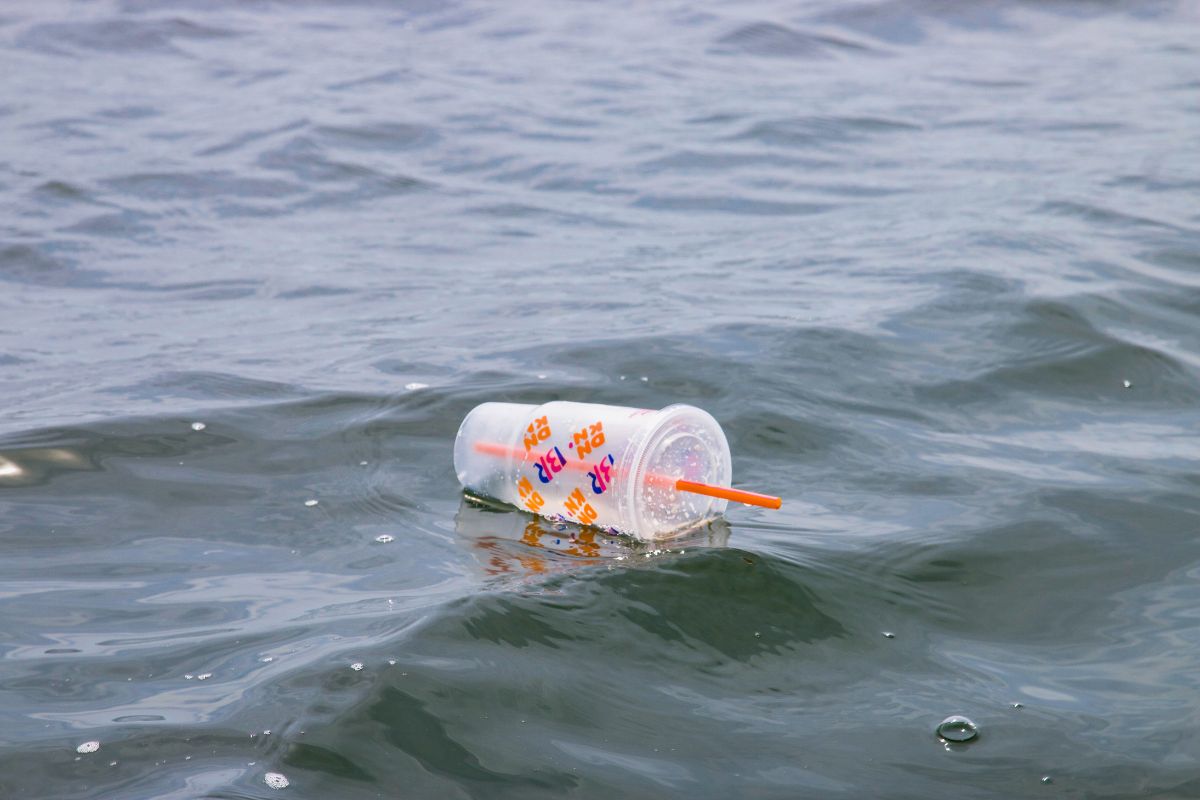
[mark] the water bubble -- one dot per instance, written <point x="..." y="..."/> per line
<point x="541" y="376"/>
<point x="957" y="728"/>
<point x="1017" y="705"/>
<point x="412" y="387"/>
<point x="383" y="538"/>
<point x="311" y="503"/>
<point x="112" y="763"/>
<point x="392" y="661"/>
<point x="203" y="676"/>
<point x="188" y="676"/>
<point x="889" y="635"/>
<point x="362" y="463"/>
<point x="198" y="426"/>
<point x="1126" y="384"/>
<point x="644" y="379"/>
<point x="276" y="780"/>
<point x="356" y="666"/>
<point x="88" y="747"/>
<point x="1047" y="779"/>
<point x="267" y="659"/>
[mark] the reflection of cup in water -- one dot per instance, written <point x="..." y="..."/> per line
<point x="523" y="545"/>
<point x="612" y="467"/>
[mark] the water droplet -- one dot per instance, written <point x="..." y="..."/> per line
<point x="203" y="676"/>
<point x="198" y="426"/>
<point x="412" y="387"/>
<point x="957" y="729"/>
<point x="356" y="666"/>
<point x="311" y="503"/>
<point x="1047" y="779"/>
<point x="276" y="780"/>
<point x="889" y="635"/>
<point x="383" y="538"/>
<point x="1126" y="384"/>
<point x="88" y="747"/>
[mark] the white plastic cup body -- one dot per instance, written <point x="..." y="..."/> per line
<point x="608" y="466"/>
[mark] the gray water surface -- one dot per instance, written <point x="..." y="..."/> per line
<point x="935" y="268"/>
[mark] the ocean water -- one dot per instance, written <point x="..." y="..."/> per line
<point x="934" y="266"/>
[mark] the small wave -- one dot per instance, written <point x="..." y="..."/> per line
<point x="780" y="41"/>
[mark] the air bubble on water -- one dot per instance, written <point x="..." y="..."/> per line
<point x="1047" y="779"/>
<point x="392" y="662"/>
<point x="88" y="747"/>
<point x="198" y="426"/>
<point x="276" y="780"/>
<point x="757" y="635"/>
<point x="112" y="763"/>
<point x="889" y="635"/>
<point x="384" y="538"/>
<point x="412" y="387"/>
<point x="622" y="377"/>
<point x="362" y="463"/>
<point x="957" y="728"/>
<point x="541" y="376"/>
<point x="311" y="503"/>
<point x="188" y="676"/>
<point x="1126" y="384"/>
<point x="1017" y="705"/>
<point x="356" y="666"/>
<point x="644" y="379"/>
<point x="203" y="676"/>
<point x="267" y="659"/>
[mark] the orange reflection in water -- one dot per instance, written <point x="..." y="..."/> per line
<point x="542" y="550"/>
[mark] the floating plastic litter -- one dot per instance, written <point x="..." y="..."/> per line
<point x="634" y="470"/>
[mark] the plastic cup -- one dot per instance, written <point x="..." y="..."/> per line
<point x="608" y="466"/>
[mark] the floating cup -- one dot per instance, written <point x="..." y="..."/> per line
<point x="642" y="472"/>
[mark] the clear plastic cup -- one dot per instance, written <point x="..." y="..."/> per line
<point x="608" y="466"/>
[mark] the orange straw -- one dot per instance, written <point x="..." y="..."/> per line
<point x="723" y="492"/>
